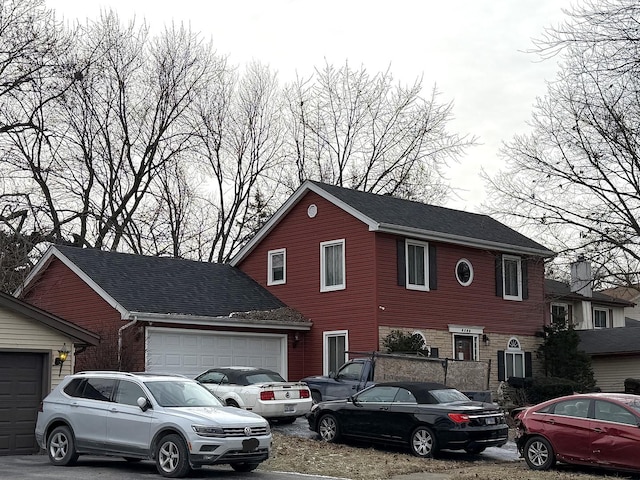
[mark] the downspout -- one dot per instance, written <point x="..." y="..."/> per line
<point x="120" y="330"/>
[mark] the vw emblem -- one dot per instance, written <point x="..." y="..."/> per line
<point x="287" y="394"/>
<point x="247" y="431"/>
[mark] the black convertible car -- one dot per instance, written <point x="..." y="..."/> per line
<point x="426" y="417"/>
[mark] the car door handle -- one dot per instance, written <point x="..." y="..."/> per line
<point x="384" y="408"/>
<point x="597" y="430"/>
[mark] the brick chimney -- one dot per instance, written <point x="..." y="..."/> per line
<point x="581" y="277"/>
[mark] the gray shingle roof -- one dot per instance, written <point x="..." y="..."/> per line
<point x="610" y="341"/>
<point x="415" y="215"/>
<point x="170" y="285"/>
<point x="560" y="290"/>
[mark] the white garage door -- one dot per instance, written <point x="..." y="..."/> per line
<point x="190" y="352"/>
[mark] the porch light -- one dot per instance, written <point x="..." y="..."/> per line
<point x="63" y="354"/>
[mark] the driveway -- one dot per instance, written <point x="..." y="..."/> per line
<point x="31" y="467"/>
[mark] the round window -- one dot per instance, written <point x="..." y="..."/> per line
<point x="464" y="272"/>
<point x="312" y="210"/>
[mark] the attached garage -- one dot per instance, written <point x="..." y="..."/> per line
<point x="29" y="344"/>
<point x="190" y="352"/>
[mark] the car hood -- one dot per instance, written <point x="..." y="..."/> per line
<point x="217" y="415"/>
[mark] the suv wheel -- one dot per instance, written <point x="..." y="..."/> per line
<point x="172" y="458"/>
<point x="61" y="446"/>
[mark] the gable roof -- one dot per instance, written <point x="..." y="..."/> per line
<point x="556" y="290"/>
<point x="162" y="286"/>
<point x="383" y="213"/>
<point x="81" y="335"/>
<point x="610" y="341"/>
<point x="630" y="293"/>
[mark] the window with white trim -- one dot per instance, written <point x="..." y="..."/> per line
<point x="417" y="261"/>
<point x="332" y="266"/>
<point x="559" y="311"/>
<point x="335" y="346"/>
<point x="600" y="317"/>
<point x="277" y="267"/>
<point x="514" y="359"/>
<point x="511" y="277"/>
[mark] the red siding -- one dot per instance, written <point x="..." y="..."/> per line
<point x="451" y="303"/>
<point x="60" y="291"/>
<point x="373" y="297"/>
<point x="352" y="309"/>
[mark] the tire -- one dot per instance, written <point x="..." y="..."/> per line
<point x="61" y="446"/>
<point x="244" y="466"/>
<point x="538" y="453"/>
<point x="474" y="450"/>
<point x="423" y="442"/>
<point x="328" y="428"/>
<point x="232" y="403"/>
<point x="172" y="457"/>
<point x="316" y="397"/>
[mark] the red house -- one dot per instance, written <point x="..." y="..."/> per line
<point x="360" y="265"/>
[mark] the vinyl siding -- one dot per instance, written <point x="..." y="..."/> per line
<point x="611" y="372"/>
<point x="61" y="292"/>
<point x="23" y="334"/>
<point x="352" y="309"/>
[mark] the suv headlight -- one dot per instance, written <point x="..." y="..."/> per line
<point x="208" y="431"/>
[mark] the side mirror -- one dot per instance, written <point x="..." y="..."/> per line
<point x="332" y="375"/>
<point x="143" y="403"/>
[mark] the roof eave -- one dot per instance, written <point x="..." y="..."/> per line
<point x="460" y="240"/>
<point x="220" y="321"/>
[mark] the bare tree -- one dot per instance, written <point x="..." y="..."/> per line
<point x="239" y="147"/>
<point x="100" y="149"/>
<point x="575" y="180"/>
<point x="355" y="130"/>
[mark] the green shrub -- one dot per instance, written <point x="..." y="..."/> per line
<point x="541" y="389"/>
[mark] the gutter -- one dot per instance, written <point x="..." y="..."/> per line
<point x="120" y="330"/>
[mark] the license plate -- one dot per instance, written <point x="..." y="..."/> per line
<point x="289" y="408"/>
<point x="250" y="444"/>
<point x="490" y="421"/>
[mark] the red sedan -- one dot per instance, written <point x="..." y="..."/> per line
<point x="598" y="429"/>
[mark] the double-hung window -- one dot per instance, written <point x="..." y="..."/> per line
<point x="599" y="318"/>
<point x="277" y="267"/>
<point x="417" y="261"/>
<point x="511" y="277"/>
<point x="514" y="359"/>
<point x="332" y="266"/>
<point x="559" y="313"/>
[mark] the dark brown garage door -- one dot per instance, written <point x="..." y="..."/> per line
<point x="20" y="395"/>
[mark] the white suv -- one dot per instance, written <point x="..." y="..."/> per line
<point x="171" y="419"/>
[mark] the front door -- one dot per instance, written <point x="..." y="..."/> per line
<point x="335" y="347"/>
<point x="463" y="345"/>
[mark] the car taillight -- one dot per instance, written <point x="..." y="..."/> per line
<point x="459" y="417"/>
<point x="304" y="393"/>
<point x="267" y="395"/>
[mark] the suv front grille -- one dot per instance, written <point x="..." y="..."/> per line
<point x="239" y="432"/>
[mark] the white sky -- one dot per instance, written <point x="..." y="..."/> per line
<point x="472" y="50"/>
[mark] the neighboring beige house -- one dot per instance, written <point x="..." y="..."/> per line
<point x="599" y="318"/>
<point x="630" y="294"/>
<point x="30" y="344"/>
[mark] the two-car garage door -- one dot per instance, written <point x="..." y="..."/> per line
<point x="190" y="352"/>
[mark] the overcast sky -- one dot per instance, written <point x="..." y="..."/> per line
<point x="472" y="50"/>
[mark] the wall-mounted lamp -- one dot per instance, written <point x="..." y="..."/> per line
<point x="296" y="339"/>
<point x="486" y="339"/>
<point x="62" y="357"/>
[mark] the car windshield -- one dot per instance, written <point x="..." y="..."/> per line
<point x="176" y="393"/>
<point x="264" y="377"/>
<point x="449" y="395"/>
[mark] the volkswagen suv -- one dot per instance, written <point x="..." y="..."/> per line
<point x="170" y="419"/>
